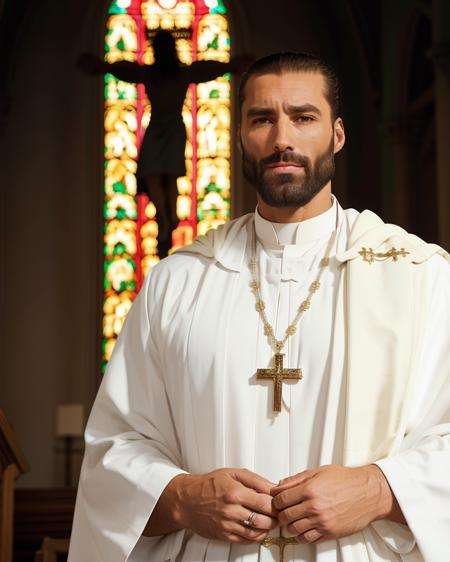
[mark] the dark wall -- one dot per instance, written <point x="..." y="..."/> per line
<point x="51" y="189"/>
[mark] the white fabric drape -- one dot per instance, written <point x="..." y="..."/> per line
<point x="180" y="394"/>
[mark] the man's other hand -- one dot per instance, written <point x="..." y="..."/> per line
<point x="331" y="501"/>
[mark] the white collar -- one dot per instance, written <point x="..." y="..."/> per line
<point x="276" y="235"/>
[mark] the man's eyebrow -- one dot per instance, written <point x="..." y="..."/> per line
<point x="305" y="108"/>
<point x="255" y="111"/>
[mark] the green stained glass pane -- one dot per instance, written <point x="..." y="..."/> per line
<point x="115" y="9"/>
<point x="227" y="75"/>
<point x="118" y="187"/>
<point x="121" y="45"/>
<point x="132" y="263"/>
<point x="122" y="286"/>
<point x="119" y="249"/>
<point x="106" y="284"/>
<point x="214" y="43"/>
<point x="105" y="250"/>
<point x="121" y="213"/>
<point x="219" y="8"/>
<point x="214" y="94"/>
<point x="199" y="213"/>
<point x="213" y="187"/>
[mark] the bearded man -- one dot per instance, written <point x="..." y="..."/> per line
<point x="281" y="387"/>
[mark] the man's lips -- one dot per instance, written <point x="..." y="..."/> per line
<point x="284" y="165"/>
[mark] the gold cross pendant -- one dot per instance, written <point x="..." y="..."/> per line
<point x="281" y="542"/>
<point x="278" y="375"/>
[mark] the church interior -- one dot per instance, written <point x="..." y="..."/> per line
<point x="76" y="238"/>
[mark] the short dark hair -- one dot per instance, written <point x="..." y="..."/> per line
<point x="292" y="61"/>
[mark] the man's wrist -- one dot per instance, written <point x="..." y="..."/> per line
<point x="385" y="498"/>
<point x="179" y="504"/>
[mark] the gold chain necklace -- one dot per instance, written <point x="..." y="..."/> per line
<point x="278" y="374"/>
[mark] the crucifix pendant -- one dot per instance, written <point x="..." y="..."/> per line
<point x="278" y="375"/>
<point x="281" y="542"/>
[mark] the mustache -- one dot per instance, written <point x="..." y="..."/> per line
<point x="292" y="157"/>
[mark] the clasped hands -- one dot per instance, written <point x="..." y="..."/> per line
<point x="319" y="504"/>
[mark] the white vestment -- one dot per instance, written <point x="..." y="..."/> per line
<point x="180" y="392"/>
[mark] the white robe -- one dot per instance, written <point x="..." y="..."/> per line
<point x="180" y="395"/>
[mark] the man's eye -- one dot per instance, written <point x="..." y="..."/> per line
<point x="260" y="119"/>
<point x="306" y="118"/>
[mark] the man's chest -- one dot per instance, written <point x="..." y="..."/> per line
<point x="224" y="336"/>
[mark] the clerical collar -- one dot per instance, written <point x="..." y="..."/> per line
<point x="277" y="235"/>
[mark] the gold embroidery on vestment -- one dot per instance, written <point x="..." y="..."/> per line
<point x="370" y="256"/>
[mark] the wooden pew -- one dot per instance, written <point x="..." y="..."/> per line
<point x="12" y="465"/>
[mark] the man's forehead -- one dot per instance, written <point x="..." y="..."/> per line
<point x="293" y="87"/>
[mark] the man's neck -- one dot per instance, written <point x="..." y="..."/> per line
<point x="319" y="204"/>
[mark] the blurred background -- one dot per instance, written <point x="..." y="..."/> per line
<point x="77" y="236"/>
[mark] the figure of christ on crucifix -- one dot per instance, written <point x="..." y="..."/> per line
<point x="278" y="375"/>
<point x="162" y="153"/>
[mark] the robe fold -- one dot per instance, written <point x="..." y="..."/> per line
<point x="179" y="394"/>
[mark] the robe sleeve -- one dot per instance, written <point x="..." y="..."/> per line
<point x="419" y="473"/>
<point x="132" y="449"/>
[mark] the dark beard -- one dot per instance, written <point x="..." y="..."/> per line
<point x="284" y="189"/>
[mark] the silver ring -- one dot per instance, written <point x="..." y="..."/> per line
<point x="248" y="522"/>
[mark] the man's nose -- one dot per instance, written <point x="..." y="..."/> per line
<point x="282" y="140"/>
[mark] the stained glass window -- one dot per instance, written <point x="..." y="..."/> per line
<point x="200" y="28"/>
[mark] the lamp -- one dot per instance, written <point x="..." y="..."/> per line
<point x="69" y="425"/>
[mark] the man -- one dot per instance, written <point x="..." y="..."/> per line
<point x="280" y="389"/>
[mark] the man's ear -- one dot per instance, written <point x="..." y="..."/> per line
<point x="339" y="135"/>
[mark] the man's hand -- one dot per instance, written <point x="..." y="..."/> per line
<point x="331" y="501"/>
<point x="214" y="505"/>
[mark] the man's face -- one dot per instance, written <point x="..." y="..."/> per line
<point x="288" y="138"/>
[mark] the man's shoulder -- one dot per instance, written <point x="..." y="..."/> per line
<point x="177" y="264"/>
<point x="200" y="252"/>
<point x="370" y="234"/>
